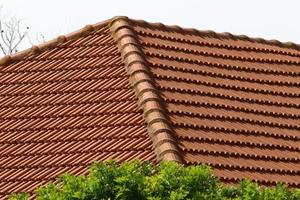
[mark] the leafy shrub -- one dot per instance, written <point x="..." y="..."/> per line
<point x="166" y="181"/>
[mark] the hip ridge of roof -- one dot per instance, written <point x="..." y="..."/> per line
<point x="8" y="59"/>
<point x="149" y="100"/>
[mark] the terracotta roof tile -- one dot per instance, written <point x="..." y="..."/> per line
<point x="127" y="88"/>
<point x="65" y="107"/>
<point x="233" y="101"/>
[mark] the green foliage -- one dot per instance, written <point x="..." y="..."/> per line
<point x="143" y="181"/>
<point x="174" y="181"/>
<point x="22" y="196"/>
<point x="248" y="190"/>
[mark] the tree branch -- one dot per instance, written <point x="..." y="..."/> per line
<point x="11" y="35"/>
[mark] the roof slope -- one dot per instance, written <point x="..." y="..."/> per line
<point x="233" y="102"/>
<point x="127" y="88"/>
<point x="64" y="108"/>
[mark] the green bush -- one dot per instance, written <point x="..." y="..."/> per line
<point x="166" y="181"/>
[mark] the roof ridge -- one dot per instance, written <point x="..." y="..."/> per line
<point x="149" y="100"/>
<point x="215" y="34"/>
<point x="8" y="59"/>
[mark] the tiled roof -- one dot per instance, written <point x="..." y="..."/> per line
<point x="127" y="88"/>
<point x="64" y="108"/>
<point x="234" y="103"/>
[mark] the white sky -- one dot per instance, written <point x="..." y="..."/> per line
<point x="270" y="19"/>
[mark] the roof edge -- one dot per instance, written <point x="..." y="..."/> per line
<point x="8" y="59"/>
<point x="149" y="100"/>
<point x="216" y="34"/>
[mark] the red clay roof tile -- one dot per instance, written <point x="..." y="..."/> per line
<point x="233" y="101"/>
<point x="127" y="88"/>
<point x="65" y="107"/>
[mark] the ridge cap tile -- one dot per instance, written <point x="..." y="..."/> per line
<point x="159" y="128"/>
<point x="8" y="59"/>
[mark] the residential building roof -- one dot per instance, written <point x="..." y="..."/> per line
<point x="127" y="89"/>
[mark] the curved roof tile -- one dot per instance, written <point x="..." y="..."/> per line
<point x="127" y="88"/>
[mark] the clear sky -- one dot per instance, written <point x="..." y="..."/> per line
<point x="270" y="19"/>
